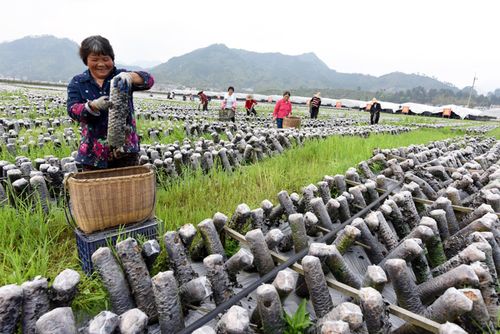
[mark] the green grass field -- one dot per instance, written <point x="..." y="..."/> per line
<point x="34" y="244"/>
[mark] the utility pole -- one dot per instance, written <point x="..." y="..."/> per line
<point x="471" y="89"/>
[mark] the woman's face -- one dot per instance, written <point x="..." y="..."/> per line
<point x="100" y="66"/>
<point x="230" y="92"/>
<point x="286" y="97"/>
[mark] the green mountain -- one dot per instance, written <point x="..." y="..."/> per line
<point x="42" y="58"/>
<point x="397" y="81"/>
<point x="47" y="58"/>
<point x="218" y="66"/>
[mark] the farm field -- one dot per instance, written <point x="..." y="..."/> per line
<point x="36" y="239"/>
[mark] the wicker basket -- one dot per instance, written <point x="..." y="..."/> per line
<point x="291" y="122"/>
<point x="111" y="197"/>
<point x="225" y="115"/>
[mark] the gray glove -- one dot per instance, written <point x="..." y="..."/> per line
<point x="124" y="81"/>
<point x="101" y="104"/>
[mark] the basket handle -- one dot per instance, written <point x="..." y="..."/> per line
<point x="67" y="210"/>
<point x="153" y="169"/>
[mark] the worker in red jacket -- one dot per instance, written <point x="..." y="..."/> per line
<point x="203" y="100"/>
<point x="249" y="105"/>
<point x="282" y="109"/>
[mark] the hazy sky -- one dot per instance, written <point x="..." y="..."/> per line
<point x="450" y="40"/>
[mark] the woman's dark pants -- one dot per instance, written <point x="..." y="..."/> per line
<point x="279" y="123"/>
<point x="374" y="117"/>
<point x="251" y="111"/>
<point x="314" y="112"/>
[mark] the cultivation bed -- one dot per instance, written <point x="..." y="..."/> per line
<point x="451" y="183"/>
<point x="453" y="242"/>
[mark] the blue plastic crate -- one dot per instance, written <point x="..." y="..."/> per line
<point x="87" y="244"/>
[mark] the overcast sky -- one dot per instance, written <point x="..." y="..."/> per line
<point x="450" y="40"/>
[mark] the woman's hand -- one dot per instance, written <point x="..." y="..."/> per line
<point x="127" y="79"/>
<point x="123" y="81"/>
<point x="96" y="106"/>
<point x="136" y="79"/>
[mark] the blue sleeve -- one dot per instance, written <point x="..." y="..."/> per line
<point x="148" y="81"/>
<point x="76" y="103"/>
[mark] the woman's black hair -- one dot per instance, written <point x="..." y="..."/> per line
<point x="98" y="45"/>
<point x="230" y="88"/>
<point x="287" y="93"/>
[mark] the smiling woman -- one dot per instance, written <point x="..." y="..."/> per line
<point x="88" y="104"/>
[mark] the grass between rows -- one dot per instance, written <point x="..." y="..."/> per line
<point x="495" y="133"/>
<point x="32" y="244"/>
<point x="193" y="199"/>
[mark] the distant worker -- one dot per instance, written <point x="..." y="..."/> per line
<point x="375" y="111"/>
<point x="314" y="105"/>
<point x="203" y="101"/>
<point x="250" y="104"/>
<point x="282" y="109"/>
<point x="229" y="104"/>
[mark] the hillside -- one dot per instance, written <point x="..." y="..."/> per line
<point x="47" y="58"/>
<point x="403" y="81"/>
<point x="42" y="58"/>
<point x="217" y="66"/>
